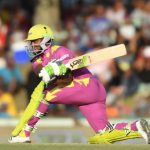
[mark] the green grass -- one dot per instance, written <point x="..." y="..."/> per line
<point x="71" y="147"/>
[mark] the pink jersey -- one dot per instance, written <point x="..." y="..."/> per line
<point x="84" y="91"/>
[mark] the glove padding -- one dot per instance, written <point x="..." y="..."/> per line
<point x="52" y="70"/>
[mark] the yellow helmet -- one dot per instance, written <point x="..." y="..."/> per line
<point x="39" y="31"/>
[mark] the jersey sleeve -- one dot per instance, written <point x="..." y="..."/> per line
<point x="64" y="54"/>
<point x="37" y="65"/>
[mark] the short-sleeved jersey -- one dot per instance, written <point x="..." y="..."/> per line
<point x="59" y="52"/>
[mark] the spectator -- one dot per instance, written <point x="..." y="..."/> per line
<point x="138" y="14"/>
<point x="11" y="75"/>
<point x="3" y="34"/>
<point x="73" y="35"/>
<point x="116" y="13"/>
<point x="130" y="82"/>
<point x="142" y="65"/>
<point x="98" y="25"/>
<point x="7" y="104"/>
<point x="114" y="84"/>
<point x="61" y="34"/>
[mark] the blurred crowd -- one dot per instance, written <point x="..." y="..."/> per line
<point x="86" y="26"/>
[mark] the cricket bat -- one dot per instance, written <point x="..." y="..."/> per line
<point x="94" y="57"/>
<point x="97" y="56"/>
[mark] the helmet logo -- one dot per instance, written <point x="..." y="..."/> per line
<point x="45" y="29"/>
<point x="29" y="33"/>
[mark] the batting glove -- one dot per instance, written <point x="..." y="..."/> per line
<point x="52" y="70"/>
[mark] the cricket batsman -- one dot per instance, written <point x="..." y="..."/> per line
<point x="60" y="85"/>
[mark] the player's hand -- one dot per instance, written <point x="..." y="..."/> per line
<point x="52" y="70"/>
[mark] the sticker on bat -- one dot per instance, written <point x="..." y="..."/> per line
<point x="79" y="63"/>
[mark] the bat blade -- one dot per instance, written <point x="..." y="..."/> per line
<point x="97" y="56"/>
